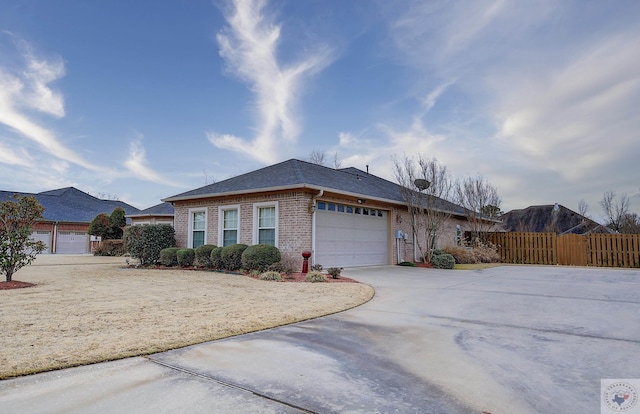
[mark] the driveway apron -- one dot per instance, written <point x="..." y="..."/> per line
<point x="512" y="339"/>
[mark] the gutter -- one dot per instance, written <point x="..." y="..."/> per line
<point x="313" y="225"/>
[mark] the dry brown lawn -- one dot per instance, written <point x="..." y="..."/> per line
<point x="87" y="309"/>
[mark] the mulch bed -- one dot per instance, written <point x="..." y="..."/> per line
<point x="294" y="277"/>
<point x="299" y="277"/>
<point x="15" y="284"/>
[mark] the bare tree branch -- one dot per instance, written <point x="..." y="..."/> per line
<point x="481" y="202"/>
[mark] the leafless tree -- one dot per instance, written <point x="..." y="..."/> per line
<point x="630" y="224"/>
<point x="208" y="179"/>
<point x="583" y="208"/>
<point x="614" y="211"/>
<point x="481" y="202"/>
<point x="319" y="157"/>
<point x="426" y="187"/>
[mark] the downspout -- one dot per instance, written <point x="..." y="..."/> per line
<point x="313" y="225"/>
<point x="54" y="244"/>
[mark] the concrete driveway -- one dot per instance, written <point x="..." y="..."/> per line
<point x="512" y="339"/>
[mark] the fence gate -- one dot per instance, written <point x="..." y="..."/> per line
<point x="572" y="250"/>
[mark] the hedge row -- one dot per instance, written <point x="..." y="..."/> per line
<point x="259" y="257"/>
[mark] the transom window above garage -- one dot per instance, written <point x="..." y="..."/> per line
<point x="347" y="209"/>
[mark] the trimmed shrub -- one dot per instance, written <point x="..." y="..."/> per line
<point x="478" y="254"/>
<point x="271" y="276"/>
<point x="186" y="257"/>
<point x="203" y="255"/>
<point x="168" y="256"/>
<point x="215" y="258"/>
<point x="443" y="261"/>
<point x="334" y="272"/>
<point x="286" y="265"/>
<point x="260" y="257"/>
<point x="463" y="255"/>
<point x="487" y="254"/>
<point x="232" y="256"/>
<point x="315" y="277"/>
<point x="145" y="242"/>
<point x="110" y="248"/>
<point x="409" y="264"/>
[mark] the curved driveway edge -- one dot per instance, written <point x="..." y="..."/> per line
<point x="502" y="340"/>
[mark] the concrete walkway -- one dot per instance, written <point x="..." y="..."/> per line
<point x="513" y="339"/>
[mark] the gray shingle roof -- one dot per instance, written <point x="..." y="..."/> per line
<point x="546" y="218"/>
<point x="72" y="205"/>
<point x="295" y="173"/>
<point x="162" y="209"/>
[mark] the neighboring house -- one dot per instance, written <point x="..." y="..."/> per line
<point x="345" y="217"/>
<point x="159" y="214"/>
<point x="551" y="218"/>
<point x="67" y="215"/>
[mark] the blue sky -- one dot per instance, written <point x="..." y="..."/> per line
<point x="143" y="100"/>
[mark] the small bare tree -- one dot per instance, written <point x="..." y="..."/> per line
<point x="614" y="211"/>
<point x="481" y="202"/>
<point x="319" y="157"/>
<point x="583" y="208"/>
<point x="426" y="187"/>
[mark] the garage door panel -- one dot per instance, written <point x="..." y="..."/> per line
<point x="44" y="237"/>
<point x="344" y="238"/>
<point x="72" y="242"/>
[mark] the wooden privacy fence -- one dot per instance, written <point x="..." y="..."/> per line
<point x="607" y="250"/>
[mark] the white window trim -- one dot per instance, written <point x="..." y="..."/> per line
<point x="256" y="219"/>
<point x="206" y="221"/>
<point x="221" y="210"/>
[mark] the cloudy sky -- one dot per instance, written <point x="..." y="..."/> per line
<point x="143" y="100"/>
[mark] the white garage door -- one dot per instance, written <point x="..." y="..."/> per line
<point x="351" y="236"/>
<point x="72" y="242"/>
<point x="44" y="237"/>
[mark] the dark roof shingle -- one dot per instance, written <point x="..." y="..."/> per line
<point x="296" y="173"/>
<point x="72" y="205"/>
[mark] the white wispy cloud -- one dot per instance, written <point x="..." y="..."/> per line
<point x="20" y="157"/>
<point x="25" y="91"/>
<point x="137" y="165"/>
<point x="249" y="46"/>
<point x="550" y="95"/>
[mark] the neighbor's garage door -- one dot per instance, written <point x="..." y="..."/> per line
<point x="44" y="237"/>
<point x="351" y="236"/>
<point x="72" y="242"/>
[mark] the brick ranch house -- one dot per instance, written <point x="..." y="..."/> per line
<point x="159" y="214"/>
<point x="345" y="217"/>
<point x="67" y="215"/>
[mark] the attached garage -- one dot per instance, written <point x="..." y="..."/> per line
<point x="45" y="237"/>
<point x="351" y="235"/>
<point x="72" y="242"/>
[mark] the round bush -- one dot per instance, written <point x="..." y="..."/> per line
<point x="215" y="258"/>
<point x="443" y="261"/>
<point x="232" y="256"/>
<point x="271" y="276"/>
<point x="185" y="257"/>
<point x="168" y="256"/>
<point x="203" y="255"/>
<point x="260" y="257"/>
<point x="315" y="277"/>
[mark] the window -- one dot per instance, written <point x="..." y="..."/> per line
<point x="265" y="223"/>
<point x="197" y="227"/>
<point x="229" y="225"/>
